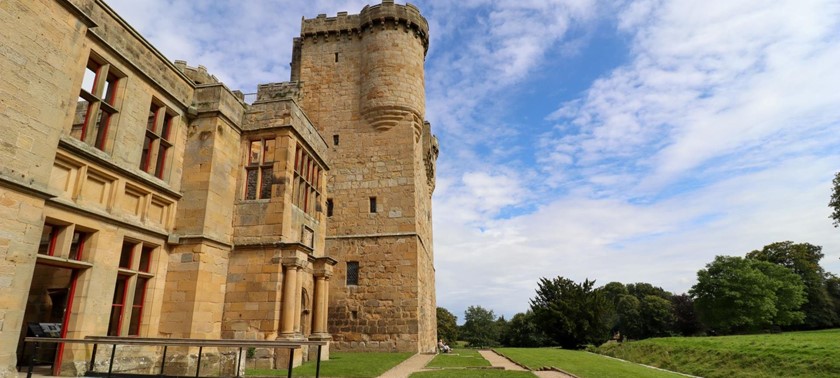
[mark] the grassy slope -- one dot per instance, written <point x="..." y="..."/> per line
<point x="792" y="354"/>
<point x="582" y="364"/>
<point x="343" y="364"/>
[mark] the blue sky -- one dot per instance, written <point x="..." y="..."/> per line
<point x="625" y="141"/>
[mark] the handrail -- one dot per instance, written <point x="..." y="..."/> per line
<point x="167" y="342"/>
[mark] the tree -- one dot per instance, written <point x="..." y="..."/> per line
<point x="480" y="327"/>
<point x="657" y="316"/>
<point x="686" y="322"/>
<point x="522" y="331"/>
<point x="834" y="202"/>
<point x="572" y="315"/>
<point x="447" y="325"/>
<point x="737" y="294"/>
<point x="804" y="260"/>
<point x="832" y="286"/>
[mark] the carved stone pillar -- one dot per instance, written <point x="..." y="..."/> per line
<point x="287" y="323"/>
<point x="323" y="270"/>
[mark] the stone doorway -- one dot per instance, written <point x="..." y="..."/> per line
<point x="47" y="314"/>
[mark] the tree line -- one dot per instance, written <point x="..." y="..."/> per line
<point x="779" y="287"/>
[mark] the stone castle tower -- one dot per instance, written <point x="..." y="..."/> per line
<point x="362" y="85"/>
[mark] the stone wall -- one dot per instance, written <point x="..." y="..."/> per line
<point x="364" y="90"/>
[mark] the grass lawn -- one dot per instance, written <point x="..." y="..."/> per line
<point x="790" y="354"/>
<point x="459" y="358"/>
<point x="473" y="373"/>
<point x="582" y="364"/>
<point x="342" y="364"/>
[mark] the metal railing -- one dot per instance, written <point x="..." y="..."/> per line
<point x="166" y="343"/>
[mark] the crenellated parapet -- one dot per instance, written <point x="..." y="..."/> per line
<point x="387" y="15"/>
<point x="198" y="75"/>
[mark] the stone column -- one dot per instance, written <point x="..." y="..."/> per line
<point x="298" y="304"/>
<point x="319" y="315"/>
<point x="287" y="321"/>
<point x="322" y="272"/>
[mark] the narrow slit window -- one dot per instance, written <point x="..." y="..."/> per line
<point x="336" y="57"/>
<point x="329" y="207"/>
<point x="372" y="204"/>
<point x="335" y="140"/>
<point x="352" y="273"/>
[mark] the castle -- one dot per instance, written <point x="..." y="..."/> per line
<point x="142" y="197"/>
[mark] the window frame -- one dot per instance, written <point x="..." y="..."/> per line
<point x="262" y="169"/>
<point x="355" y="277"/>
<point x="307" y="179"/>
<point x="101" y="108"/>
<point x="130" y="317"/>
<point x="157" y="140"/>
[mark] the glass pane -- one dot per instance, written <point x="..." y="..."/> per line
<point x="256" y="149"/>
<point x="251" y="184"/>
<point x="352" y="272"/>
<point x="150" y="123"/>
<point x="167" y="125"/>
<point x="161" y="161"/>
<point x="82" y="107"/>
<point x="268" y="156"/>
<point x="267" y="181"/>
<point x="77" y="245"/>
<point x="144" y="158"/>
<point x="47" y="238"/>
<point x="137" y="307"/>
<point x="102" y="130"/>
<point x="125" y="255"/>
<point x="119" y="290"/>
<point x="139" y="292"/>
<point x="145" y="259"/>
<point x="134" y="322"/>
<point x="90" y="77"/>
<point x="110" y="89"/>
<point x="114" y="323"/>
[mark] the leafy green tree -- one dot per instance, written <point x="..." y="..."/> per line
<point x="737" y="294"/>
<point x="834" y="202"/>
<point x="522" y="332"/>
<point x="642" y="289"/>
<point x="657" y="316"/>
<point x="686" y="322"/>
<point x="447" y="325"/>
<point x="832" y="286"/>
<point x="804" y="260"/>
<point x="629" y="317"/>
<point x="572" y="315"/>
<point x="480" y="328"/>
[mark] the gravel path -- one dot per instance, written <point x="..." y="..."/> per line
<point x="413" y="364"/>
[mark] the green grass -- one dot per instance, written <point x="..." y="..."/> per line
<point x="791" y="354"/>
<point x="458" y="358"/>
<point x="582" y="364"/>
<point x="473" y="373"/>
<point x="342" y="364"/>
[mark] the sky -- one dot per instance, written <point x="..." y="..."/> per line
<point x="626" y="141"/>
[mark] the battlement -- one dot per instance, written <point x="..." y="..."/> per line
<point x="198" y="75"/>
<point x="279" y="91"/>
<point x="382" y="15"/>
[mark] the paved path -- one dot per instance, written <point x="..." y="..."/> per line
<point x="413" y="364"/>
<point x="500" y="361"/>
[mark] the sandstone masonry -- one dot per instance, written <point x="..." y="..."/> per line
<point x="142" y="197"/>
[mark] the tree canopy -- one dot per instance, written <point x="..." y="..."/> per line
<point x="834" y="202"/>
<point x="804" y="260"/>
<point x="734" y="294"/>
<point x="571" y="314"/>
<point x="447" y="325"/>
<point x="480" y="328"/>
